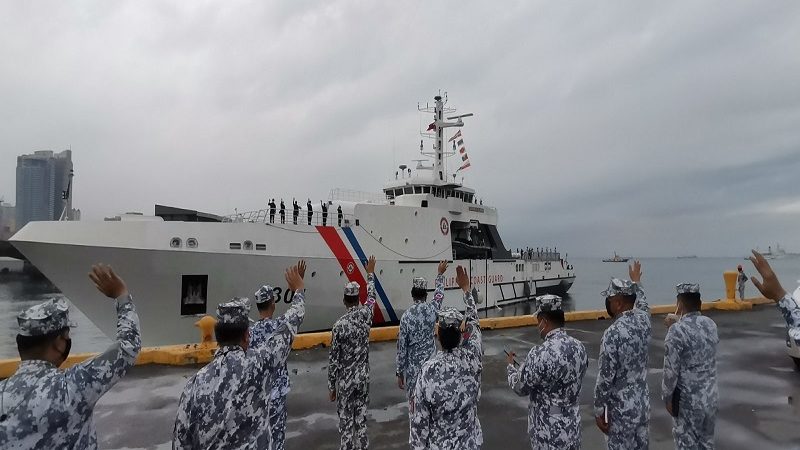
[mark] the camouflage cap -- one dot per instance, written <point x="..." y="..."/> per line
<point x="450" y="317"/>
<point x="548" y="303"/>
<point x="234" y="312"/>
<point x="688" y="288"/>
<point x="265" y="294"/>
<point x="351" y="289"/>
<point x="420" y="283"/>
<point x="619" y="287"/>
<point x="44" y="318"/>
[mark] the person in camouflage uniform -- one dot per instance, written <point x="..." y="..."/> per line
<point x="445" y="404"/>
<point x="690" y="372"/>
<point x="771" y="288"/>
<point x="415" y="342"/>
<point x="551" y="377"/>
<point x="227" y="403"/>
<point x="260" y="333"/>
<point x="348" y="368"/>
<point x="44" y="407"/>
<point x="621" y="395"/>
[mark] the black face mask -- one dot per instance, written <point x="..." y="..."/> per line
<point x="608" y="308"/>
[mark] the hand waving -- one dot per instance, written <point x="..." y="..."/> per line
<point x="301" y="268"/>
<point x="107" y="282"/>
<point x="635" y="272"/>
<point x="293" y="279"/>
<point x="770" y="287"/>
<point x="443" y="267"/>
<point x="462" y="279"/>
<point x="371" y="264"/>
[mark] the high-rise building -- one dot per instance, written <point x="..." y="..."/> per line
<point x="43" y="186"/>
<point x="7" y="221"/>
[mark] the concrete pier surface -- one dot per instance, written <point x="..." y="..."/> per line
<point x="758" y="384"/>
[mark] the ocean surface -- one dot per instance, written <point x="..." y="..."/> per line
<point x="660" y="277"/>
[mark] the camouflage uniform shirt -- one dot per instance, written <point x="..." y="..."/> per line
<point x="622" y="375"/>
<point x="445" y="414"/>
<point x="551" y="376"/>
<point x="259" y="335"/>
<point x="348" y="362"/>
<point x="226" y="405"/>
<point x="690" y="365"/>
<point x="52" y="408"/>
<point x="791" y="313"/>
<point x="416" y="344"/>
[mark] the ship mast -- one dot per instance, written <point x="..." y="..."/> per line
<point x="439" y="122"/>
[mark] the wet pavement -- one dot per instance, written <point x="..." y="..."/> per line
<point x="759" y="393"/>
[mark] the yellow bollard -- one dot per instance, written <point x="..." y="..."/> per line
<point x="730" y="277"/>
<point x="206" y="325"/>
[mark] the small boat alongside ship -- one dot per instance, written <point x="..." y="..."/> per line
<point x="180" y="263"/>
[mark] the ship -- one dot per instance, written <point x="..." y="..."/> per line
<point x="179" y="263"/>
<point x="616" y="258"/>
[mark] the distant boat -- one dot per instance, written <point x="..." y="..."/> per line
<point x="616" y="258"/>
<point x="778" y="253"/>
<point x="688" y="257"/>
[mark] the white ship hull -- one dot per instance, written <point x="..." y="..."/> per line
<point x="64" y="251"/>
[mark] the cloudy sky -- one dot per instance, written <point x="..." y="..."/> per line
<point x="650" y="129"/>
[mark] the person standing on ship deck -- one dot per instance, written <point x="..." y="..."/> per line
<point x="348" y="368"/>
<point x="295" y="211"/>
<point x="227" y="403"/>
<point x="260" y="333"/>
<point x="310" y="211"/>
<point x="272" y="211"/>
<point x="324" y="213"/>
<point x="44" y="407"/>
<point x="339" y="212"/>
<point x="283" y="212"/>
<point x="416" y="341"/>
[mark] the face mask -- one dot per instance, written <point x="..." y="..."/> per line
<point x="608" y="308"/>
<point x="67" y="348"/>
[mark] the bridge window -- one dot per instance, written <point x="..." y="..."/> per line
<point x="426" y="190"/>
<point x="408" y="190"/>
<point x="418" y="189"/>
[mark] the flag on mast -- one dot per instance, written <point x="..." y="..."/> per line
<point x="432" y="126"/>
<point x="455" y="136"/>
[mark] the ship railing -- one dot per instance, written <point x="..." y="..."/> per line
<point x="540" y="256"/>
<point x="349" y="195"/>
<point x="316" y="218"/>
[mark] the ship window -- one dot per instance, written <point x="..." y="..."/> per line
<point x="235" y="246"/>
<point x="356" y="222"/>
<point x="418" y="189"/>
<point x="191" y="243"/>
<point x="426" y="190"/>
<point x="248" y="245"/>
<point x="175" y="242"/>
<point x="398" y="192"/>
<point x="261" y="247"/>
<point x="408" y="190"/>
<point x="390" y="195"/>
<point x="424" y="203"/>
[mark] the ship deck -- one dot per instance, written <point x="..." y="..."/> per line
<point x="759" y="393"/>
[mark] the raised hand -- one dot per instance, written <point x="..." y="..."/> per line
<point x="770" y="287"/>
<point x="294" y="280"/>
<point x="462" y="279"/>
<point x="371" y="264"/>
<point x="635" y="272"/>
<point x="107" y="282"/>
<point x="301" y="268"/>
<point x="443" y="267"/>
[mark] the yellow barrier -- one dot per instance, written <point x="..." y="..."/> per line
<point x="187" y="354"/>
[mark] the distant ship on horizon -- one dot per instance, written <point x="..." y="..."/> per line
<point x="617" y="258"/>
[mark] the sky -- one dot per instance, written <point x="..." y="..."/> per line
<point x="650" y="129"/>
